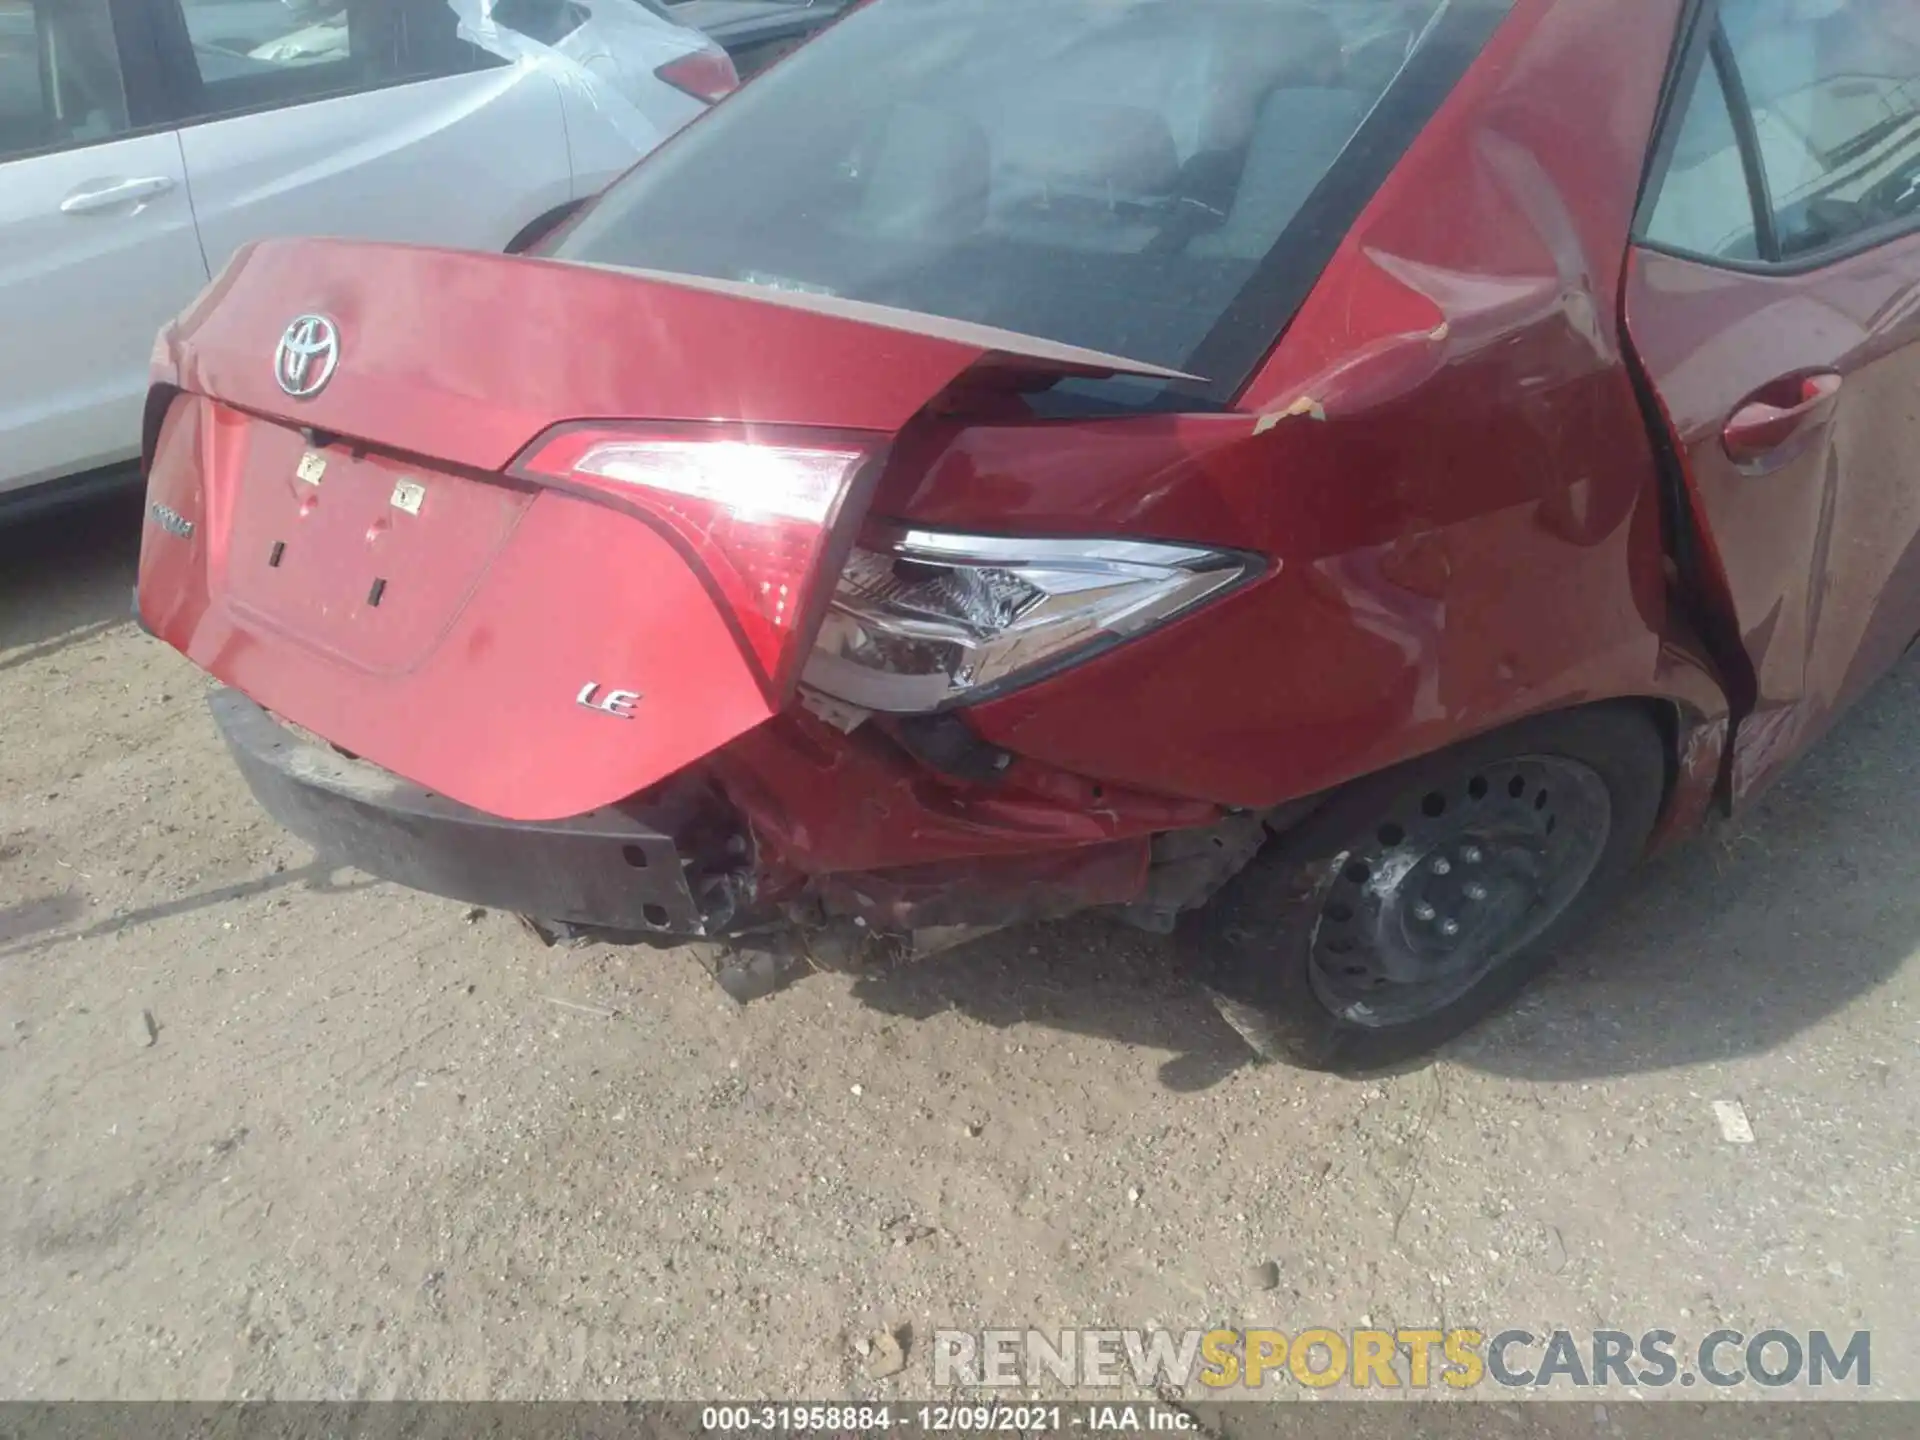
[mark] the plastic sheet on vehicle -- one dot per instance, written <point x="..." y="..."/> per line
<point x="480" y="26"/>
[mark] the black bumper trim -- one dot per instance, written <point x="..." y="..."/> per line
<point x="608" y="868"/>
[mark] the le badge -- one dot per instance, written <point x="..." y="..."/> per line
<point x="618" y="703"/>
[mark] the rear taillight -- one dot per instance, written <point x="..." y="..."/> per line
<point x="705" y="74"/>
<point x="923" y="619"/>
<point x="754" y="515"/>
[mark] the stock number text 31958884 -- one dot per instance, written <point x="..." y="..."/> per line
<point x="966" y="1419"/>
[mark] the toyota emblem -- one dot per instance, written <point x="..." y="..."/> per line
<point x="309" y="351"/>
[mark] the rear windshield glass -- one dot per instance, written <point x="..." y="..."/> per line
<point x="1113" y="174"/>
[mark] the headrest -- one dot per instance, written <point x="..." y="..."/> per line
<point x="931" y="171"/>
<point x="1298" y="136"/>
<point x="1119" y="148"/>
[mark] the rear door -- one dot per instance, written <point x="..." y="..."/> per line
<point x="314" y="117"/>
<point x="97" y="246"/>
<point x="1774" y="301"/>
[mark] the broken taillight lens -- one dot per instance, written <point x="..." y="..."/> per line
<point x="755" y="517"/>
<point x="924" y="619"/>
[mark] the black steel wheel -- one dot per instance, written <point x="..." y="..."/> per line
<point x="1439" y="894"/>
<point x="1418" y="900"/>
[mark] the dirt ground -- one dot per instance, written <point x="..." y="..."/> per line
<point x="373" y="1144"/>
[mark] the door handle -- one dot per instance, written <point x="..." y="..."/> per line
<point x="1778" y="413"/>
<point x="100" y="195"/>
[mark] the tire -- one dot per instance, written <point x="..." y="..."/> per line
<point x="1332" y="951"/>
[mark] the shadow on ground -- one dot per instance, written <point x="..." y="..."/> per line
<point x="1740" y="940"/>
<point x="1088" y="975"/>
<point x="66" y="574"/>
<point x="27" y="918"/>
<point x="27" y="927"/>
<point x="1729" y="945"/>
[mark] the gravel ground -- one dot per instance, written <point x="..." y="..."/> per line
<point x="272" y="1128"/>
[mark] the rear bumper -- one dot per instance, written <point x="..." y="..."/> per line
<point x="742" y="851"/>
<point x="614" y="868"/>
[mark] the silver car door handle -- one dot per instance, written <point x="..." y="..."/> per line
<point x="112" y="194"/>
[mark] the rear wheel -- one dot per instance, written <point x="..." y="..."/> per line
<point x="1419" y="900"/>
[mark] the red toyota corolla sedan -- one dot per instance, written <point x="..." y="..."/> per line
<point x="1337" y="482"/>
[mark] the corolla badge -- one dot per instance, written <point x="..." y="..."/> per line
<point x="308" y="355"/>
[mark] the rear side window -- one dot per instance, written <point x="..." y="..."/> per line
<point x="249" y="54"/>
<point x="60" y="82"/>
<point x="1124" y="175"/>
<point x="547" y="21"/>
<point x="1814" y="105"/>
<point x="1706" y="205"/>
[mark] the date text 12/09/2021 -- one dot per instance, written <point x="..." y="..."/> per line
<point x="938" y="1419"/>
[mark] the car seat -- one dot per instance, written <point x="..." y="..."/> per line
<point x="1297" y="136"/>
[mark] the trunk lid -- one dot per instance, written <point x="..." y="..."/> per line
<point x="368" y="561"/>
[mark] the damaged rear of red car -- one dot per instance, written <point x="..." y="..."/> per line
<point x="558" y="621"/>
<point x="1238" y="464"/>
